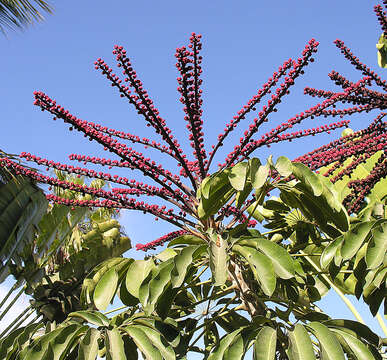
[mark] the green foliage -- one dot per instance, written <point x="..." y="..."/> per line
<point x="22" y="205"/>
<point x="231" y="286"/>
<point x="382" y="51"/>
<point x="18" y="14"/>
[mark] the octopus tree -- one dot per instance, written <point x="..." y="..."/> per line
<point x="179" y="190"/>
<point x="307" y="220"/>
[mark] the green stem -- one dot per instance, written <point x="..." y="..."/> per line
<point x="347" y="302"/>
<point x="11" y="303"/>
<point x="196" y="340"/>
<point x="327" y="272"/>
<point x="252" y="212"/>
<point x="34" y="319"/>
<point x="196" y="277"/>
<point x="221" y="293"/>
<point x="202" y="283"/>
<point x="11" y="290"/>
<point x="16" y="323"/>
<point x="381" y="323"/>
<point x="206" y="322"/>
<point x="302" y="255"/>
<point x="228" y="303"/>
<point x="114" y="310"/>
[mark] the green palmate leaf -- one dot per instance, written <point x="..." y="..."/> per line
<point x="354" y="239"/>
<point x="259" y="177"/>
<point x="355" y="327"/>
<point x="236" y="350"/>
<point x="237" y="176"/>
<point x="219" y="198"/>
<point x="330" y="251"/>
<point x="91" y="281"/>
<point x="276" y="204"/>
<point x="50" y="226"/>
<point x="127" y="298"/>
<point x="18" y="340"/>
<point x="243" y="195"/>
<point x="208" y="207"/>
<point x="210" y="337"/>
<point x="22" y="205"/>
<point x="218" y="352"/>
<point x="55" y="342"/>
<point x="330" y="194"/>
<point x="300" y="346"/>
<point x="354" y="346"/>
<point x="214" y="193"/>
<point x="136" y="274"/>
<point x="218" y="259"/>
<point x="166" y="254"/>
<point x="282" y="261"/>
<point x="382" y="51"/>
<point x="308" y="178"/>
<point x="165" y="301"/>
<point x="265" y="344"/>
<point x="158" y="284"/>
<point x="186" y="240"/>
<point x="213" y="183"/>
<point x="254" y="164"/>
<point x="204" y="185"/>
<point x="255" y="210"/>
<point x="379" y="277"/>
<point x="261" y="266"/>
<point x="182" y="262"/>
<point x="169" y="330"/>
<point x="375" y="298"/>
<point x="105" y="289"/>
<point x="6" y="343"/>
<point x="143" y="292"/>
<point x="284" y="166"/>
<point x="65" y="340"/>
<point x="159" y="342"/>
<point x="377" y="247"/>
<point x="232" y="321"/>
<point x="143" y="343"/>
<point x="324" y="211"/>
<point x="130" y="347"/>
<point x="329" y="345"/>
<point x="88" y="347"/>
<point x="93" y="317"/>
<point x="114" y="345"/>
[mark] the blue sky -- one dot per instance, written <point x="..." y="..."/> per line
<point x="243" y="43"/>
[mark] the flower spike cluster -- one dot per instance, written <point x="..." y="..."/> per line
<point x="381" y="15"/>
<point x="362" y="144"/>
<point x="250" y="106"/>
<point x="188" y="64"/>
<point x="296" y="70"/>
<point x="361" y="188"/>
<point x="177" y="190"/>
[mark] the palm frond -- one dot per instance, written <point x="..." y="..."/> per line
<point x="21" y="13"/>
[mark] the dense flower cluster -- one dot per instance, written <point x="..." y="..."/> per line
<point x="161" y="240"/>
<point x="188" y="64"/>
<point x="361" y="188"/>
<point x="381" y="16"/>
<point x="179" y="190"/>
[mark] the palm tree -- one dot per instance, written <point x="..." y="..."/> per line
<point x="21" y="13"/>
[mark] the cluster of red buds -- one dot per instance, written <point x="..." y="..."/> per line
<point x="161" y="240"/>
<point x="361" y="188"/>
<point x="179" y="190"/>
<point x="188" y="64"/>
<point x="238" y="214"/>
<point x="382" y="18"/>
